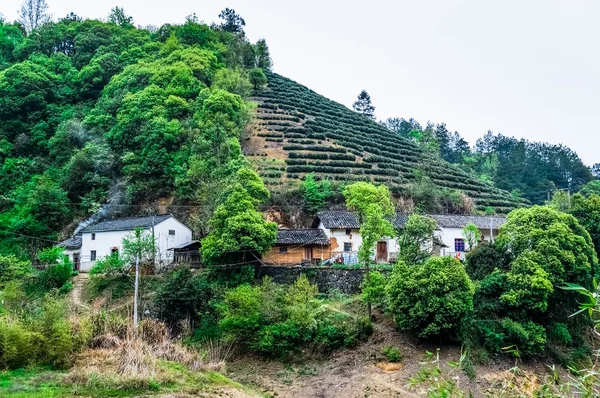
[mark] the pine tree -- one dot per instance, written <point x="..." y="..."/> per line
<point x="363" y="105"/>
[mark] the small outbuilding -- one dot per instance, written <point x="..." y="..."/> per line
<point x="295" y="246"/>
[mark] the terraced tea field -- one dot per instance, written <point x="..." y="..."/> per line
<point x="298" y="131"/>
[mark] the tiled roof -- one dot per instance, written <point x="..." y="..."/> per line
<point x="301" y="237"/>
<point x="74" y="242"/>
<point x="400" y="220"/>
<point x="461" y="221"/>
<point x="347" y="219"/>
<point x="126" y="223"/>
<point x="338" y="219"/>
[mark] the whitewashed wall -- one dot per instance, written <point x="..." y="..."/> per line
<point x="354" y="238"/>
<point x="105" y="241"/>
<point x="447" y="235"/>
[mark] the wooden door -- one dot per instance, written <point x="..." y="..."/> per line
<point x="381" y="252"/>
<point x="308" y="253"/>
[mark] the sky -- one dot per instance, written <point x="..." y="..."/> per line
<point x="527" y="69"/>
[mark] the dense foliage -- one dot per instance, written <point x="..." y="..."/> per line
<point x="92" y="111"/>
<point x="277" y="320"/>
<point x="430" y="299"/>
<point x="528" y="169"/>
<point x="519" y="303"/>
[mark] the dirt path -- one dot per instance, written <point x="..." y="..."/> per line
<point x="79" y="282"/>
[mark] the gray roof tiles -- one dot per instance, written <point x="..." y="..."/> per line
<point x="338" y="219"/>
<point x="126" y="223"/>
<point x="301" y="237"/>
<point x="74" y="242"/>
<point x="461" y="221"/>
<point x="348" y="220"/>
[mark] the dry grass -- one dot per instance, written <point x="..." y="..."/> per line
<point x="131" y="359"/>
<point x="216" y="353"/>
<point x="514" y="382"/>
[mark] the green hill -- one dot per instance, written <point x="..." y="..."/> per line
<point x="298" y="131"/>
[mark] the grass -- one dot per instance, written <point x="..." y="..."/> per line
<point x="46" y="383"/>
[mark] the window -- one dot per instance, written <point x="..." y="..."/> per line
<point x="459" y="245"/>
<point x="348" y="231"/>
<point x="172" y="232"/>
<point x="114" y="251"/>
<point x="283" y="249"/>
<point x="347" y="246"/>
<point x="93" y="255"/>
<point x="93" y="236"/>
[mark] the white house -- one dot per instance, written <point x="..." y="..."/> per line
<point x="343" y="231"/>
<point x="451" y="231"/>
<point x="101" y="239"/>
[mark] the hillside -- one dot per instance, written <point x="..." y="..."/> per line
<point x="298" y="131"/>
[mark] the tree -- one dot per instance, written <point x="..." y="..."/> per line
<point x="119" y="17"/>
<point x="257" y="78"/>
<point x="232" y="22"/>
<point x="33" y="13"/>
<point x="263" y="58"/>
<point x="472" y="235"/>
<point x="374" y="208"/>
<point x="515" y="305"/>
<point x="415" y="239"/>
<point x="591" y="188"/>
<point x="363" y="105"/>
<point x="561" y="201"/>
<point x="484" y="259"/>
<point x="237" y="231"/>
<point x="587" y="211"/>
<point x="430" y="299"/>
<point x="315" y="193"/>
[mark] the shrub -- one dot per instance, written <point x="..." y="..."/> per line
<point x="55" y="276"/>
<point x="506" y="335"/>
<point x="39" y="332"/>
<point x="430" y="299"/>
<point x="277" y="320"/>
<point x="560" y="333"/>
<point x="548" y="250"/>
<point x="257" y="78"/>
<point x="11" y="268"/>
<point x="392" y="354"/>
<point x="373" y="289"/>
<point x="315" y="193"/>
<point x="110" y="265"/>
<point x="484" y="258"/>
<point x="183" y="296"/>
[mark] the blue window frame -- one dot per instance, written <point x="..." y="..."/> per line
<point x="459" y="245"/>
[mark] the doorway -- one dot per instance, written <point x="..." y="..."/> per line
<point x="76" y="261"/>
<point x="308" y="253"/>
<point x="381" y="256"/>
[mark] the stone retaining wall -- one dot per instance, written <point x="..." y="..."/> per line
<point x="347" y="281"/>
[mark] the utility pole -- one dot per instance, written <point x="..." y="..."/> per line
<point x="135" y="292"/>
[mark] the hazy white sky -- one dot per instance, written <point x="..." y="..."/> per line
<point x="523" y="68"/>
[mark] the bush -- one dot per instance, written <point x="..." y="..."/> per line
<point x="484" y="258"/>
<point x="278" y="320"/>
<point x="183" y="296"/>
<point x="11" y="268"/>
<point x="39" y="332"/>
<point x="373" y="289"/>
<point x="392" y="354"/>
<point x="430" y="299"/>
<point x="110" y="265"/>
<point x="56" y="276"/>
<point x="506" y="336"/>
